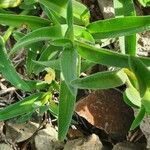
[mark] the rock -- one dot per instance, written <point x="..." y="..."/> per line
<point x="20" y="132"/>
<point x="145" y="127"/>
<point x="90" y="143"/>
<point x="129" y="146"/>
<point x="107" y="8"/>
<point x="4" y="146"/>
<point x="106" y="110"/>
<point x="74" y="133"/>
<point x="46" y="139"/>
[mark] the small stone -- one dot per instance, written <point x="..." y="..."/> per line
<point x="90" y="143"/>
<point x="74" y="133"/>
<point x="20" y="132"/>
<point x="4" y="146"/>
<point x="46" y="139"/>
<point x="129" y="146"/>
<point x="107" y="8"/>
<point x="106" y="110"/>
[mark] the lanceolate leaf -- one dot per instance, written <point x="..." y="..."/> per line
<point x="42" y="34"/>
<point x="55" y="64"/>
<point x="70" y="31"/>
<point x="146" y="100"/>
<point x="8" y="70"/>
<point x="116" y="27"/>
<point x="138" y="118"/>
<point x="69" y="67"/>
<point x="66" y="109"/>
<point x="23" y="20"/>
<point x="21" y="107"/>
<point x="45" y="33"/>
<point x="101" y="80"/>
<point x="105" y="57"/>
<point x="68" y="73"/>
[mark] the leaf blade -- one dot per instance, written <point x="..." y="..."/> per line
<point x="101" y="80"/>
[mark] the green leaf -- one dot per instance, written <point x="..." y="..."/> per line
<point x="85" y="65"/>
<point x="22" y="107"/>
<point x="8" y="71"/>
<point x="32" y="55"/>
<point x="56" y="19"/>
<point x="48" y="58"/>
<point x="105" y="57"/>
<point x="70" y="32"/>
<point x="37" y="85"/>
<point x="101" y="80"/>
<point x="53" y="108"/>
<point x="41" y="34"/>
<point x="142" y="73"/>
<point x="80" y="12"/>
<point x="145" y="2"/>
<point x="9" y="3"/>
<point x="55" y="64"/>
<point x="138" y="118"/>
<point x="23" y="20"/>
<point x="132" y="96"/>
<point x="45" y="33"/>
<point x="126" y="8"/>
<point x="116" y="27"/>
<point x="18" y="35"/>
<point x="66" y="109"/>
<point x="24" y="118"/>
<point x="69" y="67"/>
<point x="146" y="100"/>
<point x="69" y="54"/>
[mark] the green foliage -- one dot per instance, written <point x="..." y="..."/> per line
<point x="145" y="2"/>
<point x="67" y="43"/>
<point x="9" y="3"/>
<point x="101" y="80"/>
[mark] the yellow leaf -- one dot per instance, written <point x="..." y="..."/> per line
<point x="9" y="3"/>
<point x="50" y="76"/>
